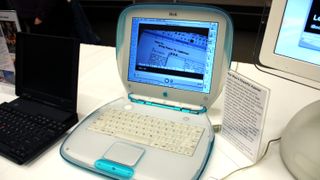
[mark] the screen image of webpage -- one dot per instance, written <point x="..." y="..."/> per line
<point x="173" y="56"/>
<point x="310" y="37"/>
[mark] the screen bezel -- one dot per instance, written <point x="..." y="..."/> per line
<point x="67" y="104"/>
<point x="183" y="96"/>
<point x="269" y="58"/>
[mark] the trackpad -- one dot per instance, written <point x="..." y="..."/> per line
<point x="124" y="154"/>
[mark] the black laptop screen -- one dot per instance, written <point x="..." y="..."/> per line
<point x="47" y="68"/>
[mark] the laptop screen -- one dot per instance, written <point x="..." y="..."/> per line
<point x="172" y="53"/>
<point x="47" y="68"/>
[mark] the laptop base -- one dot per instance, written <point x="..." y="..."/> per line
<point x="84" y="147"/>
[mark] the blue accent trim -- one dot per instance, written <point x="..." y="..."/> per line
<point x="86" y="168"/>
<point x="205" y="161"/>
<point x="165" y="106"/>
<point x="83" y="166"/>
<point x="114" y="168"/>
<point x="96" y="171"/>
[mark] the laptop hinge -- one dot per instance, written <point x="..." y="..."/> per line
<point x="167" y="104"/>
<point x="31" y="98"/>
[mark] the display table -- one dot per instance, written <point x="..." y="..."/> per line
<point x="99" y="83"/>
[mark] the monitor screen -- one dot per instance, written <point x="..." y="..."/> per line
<point x="299" y="36"/>
<point x="292" y="40"/>
<point x="172" y="53"/>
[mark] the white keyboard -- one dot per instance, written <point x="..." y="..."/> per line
<point x="159" y="133"/>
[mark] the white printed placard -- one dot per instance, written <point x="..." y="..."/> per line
<point x="245" y="106"/>
<point x="9" y="26"/>
<point x="6" y="62"/>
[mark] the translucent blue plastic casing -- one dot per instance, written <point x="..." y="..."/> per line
<point x="87" y="149"/>
<point x="214" y="67"/>
<point x="114" y="168"/>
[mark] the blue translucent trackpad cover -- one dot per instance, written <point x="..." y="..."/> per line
<point x="120" y="159"/>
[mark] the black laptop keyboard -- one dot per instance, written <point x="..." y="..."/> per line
<point x="24" y="136"/>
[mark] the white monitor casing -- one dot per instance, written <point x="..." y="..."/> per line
<point x="269" y="58"/>
<point x="299" y="148"/>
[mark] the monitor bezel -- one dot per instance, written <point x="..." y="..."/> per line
<point x="269" y="58"/>
<point x="183" y="96"/>
<point x="67" y="104"/>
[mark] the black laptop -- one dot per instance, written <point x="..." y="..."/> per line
<point x="46" y="83"/>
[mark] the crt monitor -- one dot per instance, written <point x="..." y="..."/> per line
<point x="292" y="44"/>
<point x="292" y="38"/>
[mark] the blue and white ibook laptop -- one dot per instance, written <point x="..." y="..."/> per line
<point x="172" y="59"/>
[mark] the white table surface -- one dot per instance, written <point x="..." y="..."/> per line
<point x="99" y="83"/>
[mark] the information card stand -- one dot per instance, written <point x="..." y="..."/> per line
<point x="245" y="107"/>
